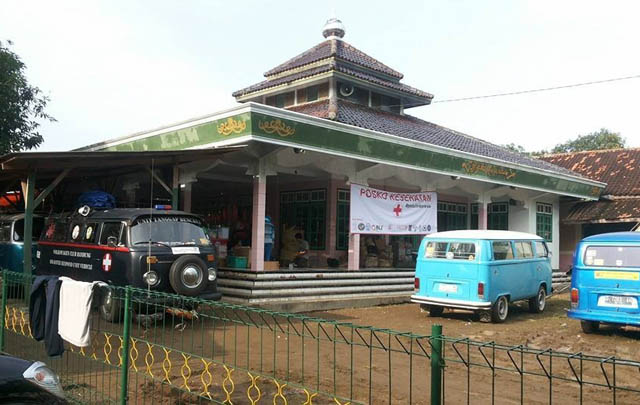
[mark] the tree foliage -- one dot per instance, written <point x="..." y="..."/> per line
<point x="602" y="139"/>
<point x="21" y="105"/>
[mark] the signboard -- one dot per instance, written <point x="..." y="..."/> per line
<point x="385" y="212"/>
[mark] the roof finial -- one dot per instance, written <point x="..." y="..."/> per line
<point x="333" y="29"/>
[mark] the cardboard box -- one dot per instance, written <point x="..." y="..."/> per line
<point x="271" y="266"/>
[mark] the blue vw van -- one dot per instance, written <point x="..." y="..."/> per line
<point x="12" y="241"/>
<point x="605" y="280"/>
<point x="482" y="271"/>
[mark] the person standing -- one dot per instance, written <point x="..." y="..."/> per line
<point x="302" y="255"/>
<point x="269" y="236"/>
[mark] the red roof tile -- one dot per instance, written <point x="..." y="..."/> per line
<point x="621" y="210"/>
<point x="619" y="168"/>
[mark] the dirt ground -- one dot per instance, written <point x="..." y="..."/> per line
<point x="341" y="361"/>
<point x="550" y="329"/>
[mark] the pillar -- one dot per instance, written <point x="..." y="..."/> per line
<point x="332" y="198"/>
<point x="186" y="200"/>
<point x="257" y="225"/>
<point x="354" y="251"/>
<point x="28" y="189"/>
<point x="482" y="214"/>
<point x="175" y="189"/>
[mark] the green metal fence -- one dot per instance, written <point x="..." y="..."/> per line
<point x="170" y="349"/>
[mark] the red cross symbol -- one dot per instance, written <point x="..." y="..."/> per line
<point x="397" y="210"/>
<point x="106" y="262"/>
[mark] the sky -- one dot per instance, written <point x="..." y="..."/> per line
<point x="119" y="67"/>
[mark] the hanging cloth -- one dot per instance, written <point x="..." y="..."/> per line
<point x="74" y="321"/>
<point x="43" y="313"/>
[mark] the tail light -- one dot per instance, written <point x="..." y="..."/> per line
<point x="575" y="297"/>
<point x="416" y="283"/>
<point x="481" y="290"/>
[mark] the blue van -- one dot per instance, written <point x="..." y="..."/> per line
<point x="605" y="280"/>
<point x="12" y="241"/>
<point x="482" y="271"/>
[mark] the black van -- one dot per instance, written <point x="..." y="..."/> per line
<point x="161" y="250"/>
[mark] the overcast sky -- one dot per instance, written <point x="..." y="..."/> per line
<point x="117" y="67"/>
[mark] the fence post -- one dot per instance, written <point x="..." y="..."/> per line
<point x="5" y="291"/>
<point x="124" y="378"/>
<point x="436" y="364"/>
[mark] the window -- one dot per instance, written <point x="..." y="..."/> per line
<point x="541" y="249"/>
<point x="451" y="216"/>
<point x="5" y="231"/>
<point x="436" y="250"/>
<point x="461" y="251"/>
<point x="474" y="216"/>
<point x="306" y="210"/>
<point x="18" y="229"/>
<point x="544" y="221"/>
<point x="312" y="94"/>
<point x="342" y="223"/>
<point x="612" y="256"/>
<point x="524" y="250"/>
<point x="502" y="250"/>
<point x="110" y="229"/>
<point x="498" y="216"/>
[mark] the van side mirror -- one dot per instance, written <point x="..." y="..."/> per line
<point x="112" y="241"/>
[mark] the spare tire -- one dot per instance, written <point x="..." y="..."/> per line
<point x="188" y="275"/>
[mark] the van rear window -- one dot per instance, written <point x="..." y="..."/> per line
<point x="612" y="256"/>
<point x="451" y="250"/>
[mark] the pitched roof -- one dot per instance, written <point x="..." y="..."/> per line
<point x="332" y="66"/>
<point x="339" y="49"/>
<point x="619" y="168"/>
<point x="413" y="128"/>
<point x="621" y="210"/>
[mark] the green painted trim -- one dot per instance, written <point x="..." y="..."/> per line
<point x="213" y="131"/>
<point x="284" y="131"/>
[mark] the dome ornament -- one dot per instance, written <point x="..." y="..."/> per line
<point x="333" y="29"/>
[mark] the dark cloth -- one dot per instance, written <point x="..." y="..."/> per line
<point x="43" y="313"/>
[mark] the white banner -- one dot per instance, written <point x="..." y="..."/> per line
<point x="386" y="212"/>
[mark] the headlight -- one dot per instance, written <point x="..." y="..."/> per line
<point x="151" y="278"/>
<point x="41" y="375"/>
<point x="212" y="274"/>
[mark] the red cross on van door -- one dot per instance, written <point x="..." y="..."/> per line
<point x="106" y="262"/>
<point x="397" y="210"/>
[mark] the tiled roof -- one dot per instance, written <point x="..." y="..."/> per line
<point x="619" y="168"/>
<point x="342" y="50"/>
<point x="416" y="129"/>
<point x="332" y="66"/>
<point x="621" y="210"/>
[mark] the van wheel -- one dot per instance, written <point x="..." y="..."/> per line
<point x="435" y="310"/>
<point x="188" y="275"/>
<point x="590" y="326"/>
<point x="500" y="310"/>
<point x="539" y="302"/>
<point x="110" y="307"/>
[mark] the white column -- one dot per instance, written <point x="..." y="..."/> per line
<point x="186" y="202"/>
<point x="257" y="223"/>
<point x="354" y="251"/>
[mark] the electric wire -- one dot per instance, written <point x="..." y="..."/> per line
<point x="514" y="93"/>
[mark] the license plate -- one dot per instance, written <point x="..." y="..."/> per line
<point x="185" y="250"/>
<point x="449" y="288"/>
<point x="617" y="301"/>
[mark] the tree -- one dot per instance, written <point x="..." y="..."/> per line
<point x="602" y="139"/>
<point x="515" y="148"/>
<point x="21" y="105"/>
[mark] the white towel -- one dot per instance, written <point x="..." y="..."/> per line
<point x="74" y="316"/>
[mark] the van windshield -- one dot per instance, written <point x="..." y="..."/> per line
<point x="612" y="256"/>
<point x="172" y="231"/>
